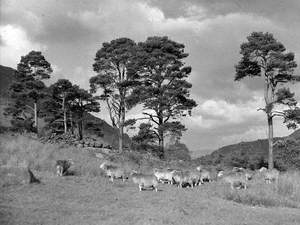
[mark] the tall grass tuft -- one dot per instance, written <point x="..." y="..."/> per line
<point x="284" y="194"/>
<point x="22" y="151"/>
<point x="289" y="185"/>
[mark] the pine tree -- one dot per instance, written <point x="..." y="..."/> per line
<point x="82" y="102"/>
<point x="165" y="92"/>
<point x="56" y="106"/>
<point x="28" y="88"/>
<point x="116" y="79"/>
<point x="264" y="56"/>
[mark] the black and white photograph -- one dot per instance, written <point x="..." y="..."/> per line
<point x="149" y="112"/>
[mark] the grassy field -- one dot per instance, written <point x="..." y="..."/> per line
<point x="89" y="198"/>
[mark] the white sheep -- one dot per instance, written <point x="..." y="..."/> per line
<point x="145" y="180"/>
<point x="235" y="181"/>
<point x="271" y="175"/>
<point x="114" y="171"/>
<point x="164" y="175"/>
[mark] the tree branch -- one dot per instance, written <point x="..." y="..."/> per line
<point x="152" y="117"/>
<point x="30" y="107"/>
<point x="261" y="109"/>
<point x="110" y="113"/>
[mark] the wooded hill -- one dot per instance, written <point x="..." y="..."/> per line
<point x="94" y="126"/>
<point x="254" y="154"/>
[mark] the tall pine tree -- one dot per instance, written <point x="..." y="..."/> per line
<point x="116" y="79"/>
<point x="264" y="56"/>
<point x="28" y="88"/>
<point x="81" y="103"/>
<point x="165" y="92"/>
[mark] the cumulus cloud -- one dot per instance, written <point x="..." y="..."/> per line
<point x="14" y="44"/>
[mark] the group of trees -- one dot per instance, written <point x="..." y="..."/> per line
<point x="67" y="104"/>
<point x="152" y="74"/>
<point x="62" y="105"/>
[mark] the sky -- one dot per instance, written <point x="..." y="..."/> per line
<point x="70" y="32"/>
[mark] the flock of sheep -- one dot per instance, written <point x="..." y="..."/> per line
<point x="237" y="177"/>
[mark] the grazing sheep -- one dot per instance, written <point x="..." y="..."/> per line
<point x="114" y="171"/>
<point x="238" y="169"/>
<point x="262" y="169"/>
<point x="107" y="163"/>
<point x="235" y="181"/>
<point x="220" y="173"/>
<point x="243" y="173"/>
<point x="271" y="175"/>
<point x="199" y="168"/>
<point x="183" y="177"/>
<point x="248" y="174"/>
<point x="62" y="166"/>
<point x="194" y="178"/>
<point x="205" y="176"/>
<point x="164" y="175"/>
<point x="145" y="181"/>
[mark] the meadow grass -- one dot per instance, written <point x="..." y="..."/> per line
<point x="286" y="193"/>
<point x="19" y="151"/>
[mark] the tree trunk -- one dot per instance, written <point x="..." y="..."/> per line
<point x="36" y="118"/>
<point x="161" y="146"/>
<point x="65" y="115"/>
<point x="80" y="128"/>
<point x="121" y="128"/>
<point x="121" y="138"/>
<point x="71" y="123"/>
<point x="161" y="136"/>
<point x="270" y="139"/>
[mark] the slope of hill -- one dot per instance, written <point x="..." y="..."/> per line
<point x="100" y="129"/>
<point x="6" y="77"/>
<point x="254" y="154"/>
<point x="94" y="126"/>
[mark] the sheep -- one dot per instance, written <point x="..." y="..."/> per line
<point x="220" y="173"/>
<point x="62" y="166"/>
<point x="262" y="169"/>
<point x="199" y="168"/>
<point x="235" y="181"/>
<point x="205" y="176"/>
<point x="184" y="177"/>
<point x="162" y="174"/>
<point x="194" y="178"/>
<point x="248" y="174"/>
<point x="114" y="171"/>
<point x="145" y="180"/>
<point x="238" y="169"/>
<point x="243" y="173"/>
<point x="271" y="175"/>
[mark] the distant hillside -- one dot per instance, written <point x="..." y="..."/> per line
<point x="177" y="151"/>
<point x="94" y="126"/>
<point x="6" y="77"/>
<point x="254" y="154"/>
